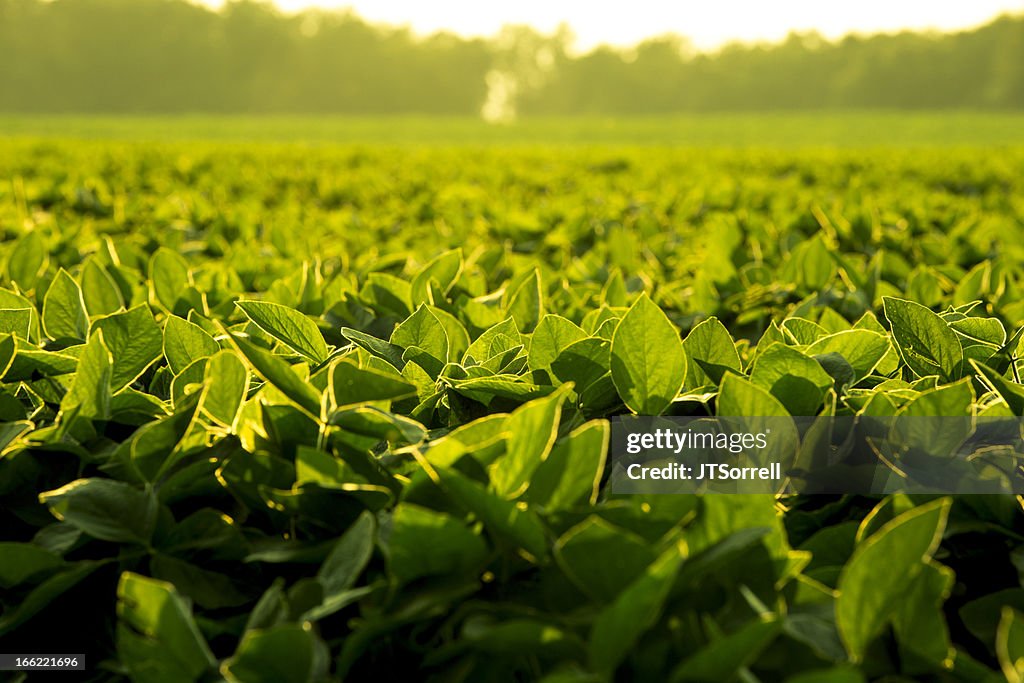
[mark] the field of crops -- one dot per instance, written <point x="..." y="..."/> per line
<point x="857" y="129"/>
<point x="298" y="413"/>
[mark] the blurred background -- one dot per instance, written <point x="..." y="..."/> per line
<point x="531" y="61"/>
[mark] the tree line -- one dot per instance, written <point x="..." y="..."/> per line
<point x="171" y="56"/>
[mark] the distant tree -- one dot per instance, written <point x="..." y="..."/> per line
<point x="151" y="56"/>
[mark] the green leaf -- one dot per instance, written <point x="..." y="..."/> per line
<point x="351" y="384"/>
<point x="379" y="424"/>
<point x="583" y="362"/>
<point x="185" y="343"/>
<point x="553" y="334"/>
<point x="227" y="382"/>
<point x="27" y="260"/>
<point x="951" y="405"/>
<point x="10" y="432"/>
<point x="920" y="623"/>
<point x="169" y="277"/>
<point x="157" y="639"/>
<point x="773" y="333"/>
<point x="571" y="474"/>
<point x="90" y="393"/>
<point x="533" y="428"/>
<point x="740" y="397"/>
<point x="522" y="637"/>
<point x="427" y="543"/>
<point x="803" y="331"/>
<point x="797" y="380"/>
<point x="105" y="509"/>
<point x="16" y="321"/>
<point x="209" y="589"/>
<point x="378" y="347"/>
<point x="479" y="437"/>
<point x="862" y="349"/>
<point x="188" y="381"/>
<point x="135" y="342"/>
<point x="1010" y="645"/>
<point x="494" y="341"/>
<point x="724" y="657"/>
<point x="834" y="322"/>
<point x="869" y="598"/>
<point x="130" y="405"/>
<point x="711" y="352"/>
<point x="512" y="387"/>
<point x="64" y="315"/>
<point x="838" y="674"/>
<point x="926" y="342"/>
<point x="602" y="559"/>
<point x="280" y="375"/>
<point x="1005" y="356"/>
<point x="989" y="331"/>
<point x="25" y="562"/>
<point x="458" y="337"/>
<point x="443" y="269"/>
<point x="387" y="294"/>
<point x="814" y="263"/>
<point x="725" y="517"/>
<point x="286" y="653"/>
<point x="45" y="594"/>
<point x="1011" y="392"/>
<point x="151" y="447"/>
<point x="290" y="327"/>
<point x="620" y="625"/>
<point x="982" y="616"/>
<point x="99" y="291"/>
<point x="271" y="609"/>
<point x="316" y="466"/>
<point x="648" y="364"/>
<point x="349" y="556"/>
<point x="206" y="530"/>
<point x="28" y="361"/>
<point x="527" y="303"/>
<point x="422" y="330"/>
<point x="504" y="519"/>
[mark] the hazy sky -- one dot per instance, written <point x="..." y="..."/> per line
<point x="707" y="23"/>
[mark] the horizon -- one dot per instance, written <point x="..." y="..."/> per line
<point x="706" y="28"/>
